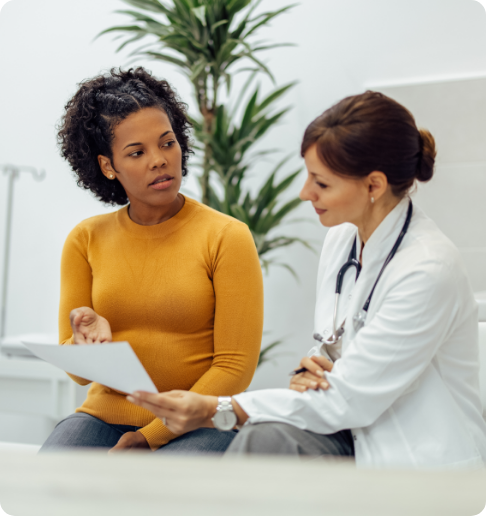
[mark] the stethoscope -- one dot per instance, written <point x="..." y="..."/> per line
<point x="360" y="318"/>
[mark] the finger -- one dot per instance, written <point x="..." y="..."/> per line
<point x="312" y="367"/>
<point x="298" y="388"/>
<point x="79" y="338"/>
<point x="155" y="409"/>
<point x="322" y="382"/>
<point x="326" y="364"/>
<point x="167" y="400"/>
<point x="175" y="393"/>
<point x="302" y="380"/>
<point x="75" y="317"/>
<point x="118" y="446"/>
<point x="311" y="376"/>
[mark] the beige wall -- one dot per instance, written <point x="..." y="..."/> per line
<point x="455" y="113"/>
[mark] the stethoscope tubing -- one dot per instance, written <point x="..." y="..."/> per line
<point x="353" y="262"/>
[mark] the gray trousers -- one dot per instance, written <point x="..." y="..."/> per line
<point x="284" y="439"/>
<point x="82" y="430"/>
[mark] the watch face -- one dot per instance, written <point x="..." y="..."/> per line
<point x="224" y="419"/>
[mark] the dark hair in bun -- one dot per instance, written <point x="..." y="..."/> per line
<point x="425" y="164"/>
<point x="370" y="132"/>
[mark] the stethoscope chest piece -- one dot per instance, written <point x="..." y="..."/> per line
<point x="359" y="320"/>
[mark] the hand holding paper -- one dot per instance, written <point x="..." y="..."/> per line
<point x="114" y="365"/>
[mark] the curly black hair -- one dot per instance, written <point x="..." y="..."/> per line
<point x="86" y="128"/>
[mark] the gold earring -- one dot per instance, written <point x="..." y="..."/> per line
<point x="111" y="176"/>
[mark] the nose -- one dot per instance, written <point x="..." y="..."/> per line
<point x="307" y="193"/>
<point x="158" y="159"/>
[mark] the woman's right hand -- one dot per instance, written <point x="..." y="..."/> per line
<point x="314" y="377"/>
<point x="89" y="327"/>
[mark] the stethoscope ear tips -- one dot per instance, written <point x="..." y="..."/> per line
<point x="318" y="337"/>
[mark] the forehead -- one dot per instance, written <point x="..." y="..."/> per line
<point x="315" y="166"/>
<point x="146" y="122"/>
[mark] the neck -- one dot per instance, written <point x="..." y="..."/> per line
<point x="375" y="216"/>
<point x="151" y="215"/>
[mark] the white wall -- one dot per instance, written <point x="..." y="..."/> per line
<point x="343" y="46"/>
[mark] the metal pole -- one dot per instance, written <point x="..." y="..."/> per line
<point x="12" y="173"/>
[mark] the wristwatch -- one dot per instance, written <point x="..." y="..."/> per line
<point x="225" y="417"/>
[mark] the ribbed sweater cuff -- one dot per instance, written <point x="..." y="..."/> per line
<point x="157" y="434"/>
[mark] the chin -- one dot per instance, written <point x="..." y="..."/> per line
<point x="328" y="221"/>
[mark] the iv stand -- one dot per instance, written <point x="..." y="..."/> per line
<point x="13" y="173"/>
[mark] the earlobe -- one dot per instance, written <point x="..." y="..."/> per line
<point x="377" y="185"/>
<point x="106" y="168"/>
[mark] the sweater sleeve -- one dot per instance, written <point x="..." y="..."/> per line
<point x="76" y="281"/>
<point x="238" y="321"/>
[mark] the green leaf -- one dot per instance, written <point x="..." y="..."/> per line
<point x="200" y="13"/>
<point x="267" y="17"/>
<point x="270" y="99"/>
<point x="148" y="5"/>
<point x="218" y="24"/>
<point x="168" y="59"/>
<point x="265" y="351"/>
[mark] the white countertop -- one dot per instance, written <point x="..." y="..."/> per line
<point x="92" y="484"/>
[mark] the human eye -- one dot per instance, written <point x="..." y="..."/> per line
<point x="321" y="185"/>
<point x="136" y="154"/>
<point x="169" y="143"/>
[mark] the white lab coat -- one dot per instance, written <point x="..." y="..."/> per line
<point x="407" y="384"/>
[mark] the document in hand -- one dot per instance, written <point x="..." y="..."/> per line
<point x="114" y="364"/>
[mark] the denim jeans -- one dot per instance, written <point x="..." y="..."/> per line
<point x="82" y="430"/>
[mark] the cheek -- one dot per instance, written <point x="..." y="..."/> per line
<point x="178" y="157"/>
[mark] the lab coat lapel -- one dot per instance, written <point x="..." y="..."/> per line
<point x="374" y="255"/>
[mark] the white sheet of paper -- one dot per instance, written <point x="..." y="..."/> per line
<point x="114" y="365"/>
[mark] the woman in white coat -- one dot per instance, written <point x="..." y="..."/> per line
<point x="400" y="387"/>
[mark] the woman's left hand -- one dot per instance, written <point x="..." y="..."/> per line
<point x="180" y="411"/>
<point x="314" y="377"/>
<point x="131" y="441"/>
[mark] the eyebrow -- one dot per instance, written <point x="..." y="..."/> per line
<point x="139" y="143"/>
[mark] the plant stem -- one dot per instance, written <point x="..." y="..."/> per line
<point x="208" y="130"/>
<point x="208" y="109"/>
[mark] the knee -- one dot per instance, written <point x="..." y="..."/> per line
<point x="264" y="438"/>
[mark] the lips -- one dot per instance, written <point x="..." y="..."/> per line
<point x="161" y="179"/>
<point x="161" y="182"/>
<point x="318" y="211"/>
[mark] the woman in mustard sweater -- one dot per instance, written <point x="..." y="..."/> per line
<point x="179" y="281"/>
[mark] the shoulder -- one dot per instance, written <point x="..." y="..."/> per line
<point x="83" y="231"/>
<point x="340" y="234"/>
<point x="337" y="244"/>
<point x="214" y="221"/>
<point x="426" y="244"/>
<point x="429" y="255"/>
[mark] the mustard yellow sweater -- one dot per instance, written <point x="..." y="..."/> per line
<point x="187" y="294"/>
